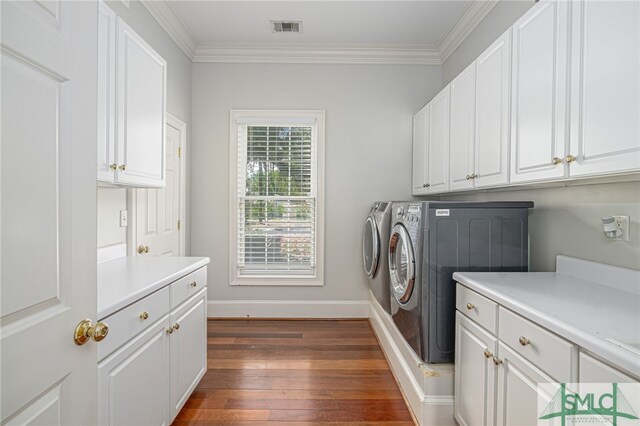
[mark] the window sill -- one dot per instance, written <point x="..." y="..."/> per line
<point x="277" y="282"/>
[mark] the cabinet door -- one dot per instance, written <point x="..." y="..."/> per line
<point x="420" y="152"/>
<point x="517" y="397"/>
<point x="462" y="129"/>
<point x="493" y="80"/>
<point x="438" y="143"/>
<point x="133" y="383"/>
<point x="188" y="350"/>
<point x="539" y="72"/>
<point x="605" y="92"/>
<point x="106" y="93"/>
<point x="474" y="374"/>
<point x="141" y="111"/>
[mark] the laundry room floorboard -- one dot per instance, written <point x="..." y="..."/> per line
<point x="295" y="372"/>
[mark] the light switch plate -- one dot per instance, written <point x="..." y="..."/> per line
<point x="623" y="225"/>
<point x="124" y="220"/>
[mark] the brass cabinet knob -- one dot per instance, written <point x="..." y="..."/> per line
<point x="570" y="158"/>
<point x="497" y="361"/>
<point x="122" y="167"/>
<point x="426" y="185"/>
<point x="144" y="315"/>
<point x="113" y="166"/>
<point x="194" y="284"/>
<point x="468" y="177"/>
<point x="176" y="326"/>
<point x="524" y="341"/>
<point x="169" y="330"/>
<point x="556" y="160"/>
<point x="473" y="176"/>
<point x="470" y="306"/>
<point x="85" y="330"/>
<point x="487" y="353"/>
<point x="143" y="249"/>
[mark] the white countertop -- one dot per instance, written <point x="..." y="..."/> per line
<point x="584" y="302"/>
<point x="128" y="279"/>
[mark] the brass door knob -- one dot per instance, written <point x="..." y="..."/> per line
<point x="487" y="353"/>
<point x="470" y="306"/>
<point x="144" y="315"/>
<point x="122" y="167"/>
<point x="143" y="249"/>
<point x="194" y="284"/>
<point x="570" y="158"/>
<point x="85" y="330"/>
<point x="113" y="166"/>
<point x="556" y="160"/>
<point x="524" y="341"/>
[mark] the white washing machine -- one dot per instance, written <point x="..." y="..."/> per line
<point x="375" y="239"/>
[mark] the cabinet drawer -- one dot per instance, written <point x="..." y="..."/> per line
<point x="480" y="309"/>
<point x="128" y="322"/>
<point x="554" y="355"/>
<point x="188" y="286"/>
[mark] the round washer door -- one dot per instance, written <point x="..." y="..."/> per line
<point x="370" y="247"/>
<point x="401" y="264"/>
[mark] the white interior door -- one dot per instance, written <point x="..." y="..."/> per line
<point x="159" y="212"/>
<point x="48" y="211"/>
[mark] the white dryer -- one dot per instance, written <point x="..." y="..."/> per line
<point x="375" y="240"/>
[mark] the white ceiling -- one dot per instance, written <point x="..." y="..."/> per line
<point x="423" y="23"/>
<point x="334" y="31"/>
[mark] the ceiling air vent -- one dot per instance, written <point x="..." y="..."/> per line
<point x="286" y="26"/>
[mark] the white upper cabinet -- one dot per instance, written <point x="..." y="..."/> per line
<point x="131" y="106"/>
<point x="106" y="93"/>
<point x="605" y="87"/>
<point x="141" y="111"/>
<point x="438" y="143"/>
<point x="539" y="93"/>
<point x="492" y="114"/>
<point x="420" y="152"/>
<point x="462" y="130"/>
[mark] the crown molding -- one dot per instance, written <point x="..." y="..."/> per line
<point x="316" y="54"/>
<point x="169" y="21"/>
<point x="468" y="20"/>
<point x="319" y="53"/>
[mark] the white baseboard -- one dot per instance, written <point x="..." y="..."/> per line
<point x="288" y="309"/>
<point x="428" y="388"/>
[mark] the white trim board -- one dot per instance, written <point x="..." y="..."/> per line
<point x="205" y="51"/>
<point x="288" y="309"/>
<point x="428" y="388"/>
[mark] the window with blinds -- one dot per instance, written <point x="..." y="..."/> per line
<point x="276" y="197"/>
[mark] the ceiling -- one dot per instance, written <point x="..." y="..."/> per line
<point x="391" y="31"/>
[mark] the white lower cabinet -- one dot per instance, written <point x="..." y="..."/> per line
<point x="137" y="372"/>
<point x="188" y="350"/>
<point x="475" y="373"/>
<point x="157" y="357"/>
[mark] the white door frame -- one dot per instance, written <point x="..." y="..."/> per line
<point x="132" y="229"/>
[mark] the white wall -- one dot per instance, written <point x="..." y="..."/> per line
<point x="565" y="220"/>
<point x="497" y="21"/>
<point x="369" y="109"/>
<point x="112" y="200"/>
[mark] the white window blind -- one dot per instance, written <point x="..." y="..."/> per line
<point x="276" y="197"/>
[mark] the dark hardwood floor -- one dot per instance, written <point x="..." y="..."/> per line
<point x="264" y="372"/>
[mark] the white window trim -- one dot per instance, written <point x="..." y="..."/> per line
<point x="237" y="116"/>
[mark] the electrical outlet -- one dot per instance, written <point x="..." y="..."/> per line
<point x="124" y="220"/>
<point x="623" y="225"/>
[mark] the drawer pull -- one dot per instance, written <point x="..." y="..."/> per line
<point x="176" y="326"/>
<point x="470" y="306"/>
<point x="497" y="361"/>
<point x="144" y="315"/>
<point x="487" y="354"/>
<point x="524" y="341"/>
<point x="194" y="284"/>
